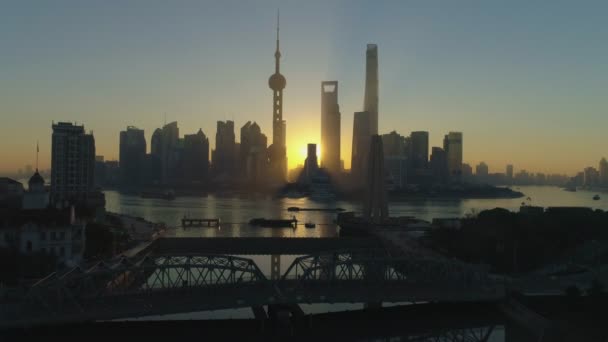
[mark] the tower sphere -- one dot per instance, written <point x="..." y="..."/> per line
<point x="277" y="82"/>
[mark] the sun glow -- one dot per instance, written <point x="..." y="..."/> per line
<point x="298" y="155"/>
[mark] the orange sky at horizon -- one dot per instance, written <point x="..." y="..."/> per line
<point x="522" y="91"/>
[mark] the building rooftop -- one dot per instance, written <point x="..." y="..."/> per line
<point x="36" y="179"/>
<point x="49" y="217"/>
<point x="6" y="180"/>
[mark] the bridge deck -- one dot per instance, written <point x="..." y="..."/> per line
<point x="352" y="325"/>
<point x="259" y="246"/>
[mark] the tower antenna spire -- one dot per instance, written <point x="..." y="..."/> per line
<point x="37" y="153"/>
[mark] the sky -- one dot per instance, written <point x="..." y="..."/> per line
<point x="525" y="81"/>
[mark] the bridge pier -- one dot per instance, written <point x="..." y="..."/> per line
<point x="275" y="267"/>
<point x="259" y="313"/>
<point x="372" y="305"/>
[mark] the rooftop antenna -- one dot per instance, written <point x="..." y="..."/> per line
<point x="37" y="152"/>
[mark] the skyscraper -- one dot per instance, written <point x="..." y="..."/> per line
<point x="224" y="155"/>
<point x="375" y="206"/>
<point x="419" y="154"/>
<point x="278" y="149"/>
<point x="452" y="145"/>
<point x="360" y="147"/>
<point x="330" y="127"/>
<point x="254" y="154"/>
<point x="152" y="174"/>
<point x="467" y="171"/>
<point x="481" y="172"/>
<point x="439" y="165"/>
<point x="132" y="156"/>
<point x="591" y="176"/>
<point x="370" y="103"/>
<point x="603" y="172"/>
<point x="195" y="157"/>
<point x="169" y="157"/>
<point x="395" y="158"/>
<point x="509" y="172"/>
<point x="156" y="142"/>
<point x="311" y="164"/>
<point x="72" y="165"/>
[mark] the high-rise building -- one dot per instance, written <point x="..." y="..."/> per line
<point x="395" y="159"/>
<point x="396" y="171"/>
<point x="132" y="156"/>
<point x="168" y="152"/>
<point x="195" y="157"/>
<point x="360" y="147"/>
<point x="419" y="150"/>
<point x="156" y="142"/>
<point x="370" y="103"/>
<point x="278" y="150"/>
<point x="100" y="172"/>
<point x="394" y="144"/>
<point x="439" y="165"/>
<point x="452" y="145"/>
<point x="330" y="127"/>
<point x="224" y="157"/>
<point x="375" y="206"/>
<point x="72" y="165"/>
<point x="153" y="160"/>
<point x="311" y="164"/>
<point x="509" y="172"/>
<point x="467" y="171"/>
<point x="254" y="153"/>
<point x="591" y="176"/>
<point x="603" y="172"/>
<point x="481" y="172"/>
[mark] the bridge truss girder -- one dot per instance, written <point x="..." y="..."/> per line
<point x="126" y="288"/>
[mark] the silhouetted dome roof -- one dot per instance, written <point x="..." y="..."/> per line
<point x="277" y="82"/>
<point x="36" y="179"/>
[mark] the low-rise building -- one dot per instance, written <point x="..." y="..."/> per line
<point x="52" y="231"/>
<point x="36" y="196"/>
<point x="11" y="193"/>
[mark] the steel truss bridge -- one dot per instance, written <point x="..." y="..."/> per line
<point x="176" y="280"/>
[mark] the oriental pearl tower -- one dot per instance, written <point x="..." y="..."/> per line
<point x="278" y="155"/>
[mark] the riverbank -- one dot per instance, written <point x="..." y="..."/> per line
<point x="468" y="192"/>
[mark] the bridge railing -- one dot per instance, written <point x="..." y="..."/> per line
<point x="350" y="266"/>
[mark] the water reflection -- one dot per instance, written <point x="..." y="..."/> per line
<point x="236" y="211"/>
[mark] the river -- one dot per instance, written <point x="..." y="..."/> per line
<point x="235" y="211"/>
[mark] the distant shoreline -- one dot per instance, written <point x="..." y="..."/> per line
<point x="468" y="192"/>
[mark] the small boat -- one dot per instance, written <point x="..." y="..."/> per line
<point x="309" y="225"/>
<point x="596" y="197"/>
<point x="314" y="209"/>
<point x="274" y="223"/>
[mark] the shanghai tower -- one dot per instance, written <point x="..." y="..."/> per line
<point x="370" y="103"/>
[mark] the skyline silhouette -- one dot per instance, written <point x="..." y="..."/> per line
<point x="516" y="83"/>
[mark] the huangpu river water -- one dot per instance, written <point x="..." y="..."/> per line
<point x="235" y="211"/>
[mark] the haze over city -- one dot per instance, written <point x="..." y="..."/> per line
<point x="323" y="170"/>
<point x="524" y="83"/>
